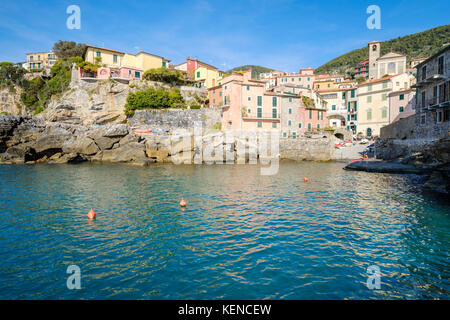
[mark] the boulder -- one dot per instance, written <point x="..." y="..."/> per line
<point x="126" y="153"/>
<point x="117" y="130"/>
<point x="81" y="145"/>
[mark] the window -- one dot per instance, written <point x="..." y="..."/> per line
<point x="385" y="85"/>
<point x="274" y="101"/>
<point x="318" y="115"/>
<point x="401" y="97"/>
<point x="318" y="126"/>
<point x="115" y="58"/>
<point x="441" y="65"/>
<point x="309" y="126"/>
<point x="198" y="75"/>
<point x="290" y="99"/>
<point x="220" y="74"/>
<point x="333" y="107"/>
<point x="369" y="115"/>
<point x="214" y="101"/>
<point x="328" y="85"/>
<point x="249" y="110"/>
<point x="164" y="64"/>
<point x="284" y="134"/>
<point x="352" y="93"/>
<point x="310" y="113"/>
<point x="369" y="87"/>
<point x="274" y="124"/>
<point x="343" y="95"/>
<point x="259" y="124"/>
<point x="259" y="112"/>
<point x="290" y="111"/>
<point x="259" y="102"/>
<point x="294" y="135"/>
<point x="384" y="97"/>
<point x="289" y="123"/>
<point x="274" y="113"/>
<point x="299" y="125"/>
<point x="401" y="109"/>
<point x="31" y="58"/>
<point x="248" y="88"/>
<point x="369" y="99"/>
<point x="308" y="86"/>
<point x="220" y="93"/>
<point x="99" y="54"/>
<point x="137" y="74"/>
<point x="308" y="78"/>
<point x="424" y="72"/>
<point x="292" y="79"/>
<point x="225" y="100"/>
<point x="384" y="113"/>
<point x="39" y="58"/>
<point x="249" y="99"/>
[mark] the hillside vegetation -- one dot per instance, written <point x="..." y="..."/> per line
<point x="417" y="45"/>
<point x="256" y="70"/>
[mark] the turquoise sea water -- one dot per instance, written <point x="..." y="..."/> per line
<point x="242" y="235"/>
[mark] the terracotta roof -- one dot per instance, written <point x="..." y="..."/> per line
<point x="89" y="46"/>
<point x="377" y="80"/>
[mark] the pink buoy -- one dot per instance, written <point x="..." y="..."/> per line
<point x="183" y="202"/>
<point x="91" y="214"/>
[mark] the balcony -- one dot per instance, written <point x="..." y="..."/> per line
<point x="261" y="116"/>
<point x="435" y="103"/>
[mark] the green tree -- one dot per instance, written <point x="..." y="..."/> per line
<point x="164" y="75"/>
<point x="10" y="73"/>
<point x="153" y="99"/>
<point x="68" y="49"/>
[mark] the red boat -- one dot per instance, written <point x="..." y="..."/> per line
<point x="142" y="130"/>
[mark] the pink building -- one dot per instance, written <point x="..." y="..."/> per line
<point x="215" y="96"/>
<point x="246" y="107"/>
<point x="125" y="73"/>
<point x="401" y="104"/>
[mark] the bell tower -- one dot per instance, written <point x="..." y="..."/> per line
<point x="374" y="54"/>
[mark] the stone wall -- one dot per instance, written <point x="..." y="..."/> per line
<point x="307" y="149"/>
<point x="176" y="118"/>
<point x="10" y="101"/>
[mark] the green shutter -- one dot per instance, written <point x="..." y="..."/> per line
<point x="259" y="101"/>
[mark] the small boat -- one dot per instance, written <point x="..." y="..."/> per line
<point x="357" y="159"/>
<point x="339" y="146"/>
<point x="142" y="130"/>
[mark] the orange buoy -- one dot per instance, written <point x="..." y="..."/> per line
<point x="91" y="214"/>
<point x="305" y="179"/>
<point x="183" y="202"/>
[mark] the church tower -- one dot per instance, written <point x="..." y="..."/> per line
<point x="374" y="54"/>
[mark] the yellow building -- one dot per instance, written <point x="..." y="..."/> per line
<point x="373" y="101"/>
<point x="40" y="60"/>
<point x="208" y="77"/>
<point x="325" y="85"/>
<point x="117" y="59"/>
<point x="205" y="75"/>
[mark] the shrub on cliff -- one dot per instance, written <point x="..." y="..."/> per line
<point x="11" y="74"/>
<point x="164" y="75"/>
<point x="153" y="99"/>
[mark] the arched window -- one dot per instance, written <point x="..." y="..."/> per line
<point x="374" y="47"/>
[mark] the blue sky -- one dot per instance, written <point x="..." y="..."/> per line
<point x="281" y="34"/>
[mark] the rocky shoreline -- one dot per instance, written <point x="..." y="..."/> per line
<point x="30" y="140"/>
<point x="433" y="161"/>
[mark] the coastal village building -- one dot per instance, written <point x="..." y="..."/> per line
<point x="352" y="109"/>
<point x="336" y="106"/>
<point x="215" y="96"/>
<point x="205" y="75"/>
<point x="401" y="104"/>
<point x="118" y="64"/>
<point x="389" y="64"/>
<point x="362" y="69"/>
<point x="433" y="94"/>
<point x="373" y="101"/>
<point x="247" y="106"/>
<point x="38" y="61"/>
